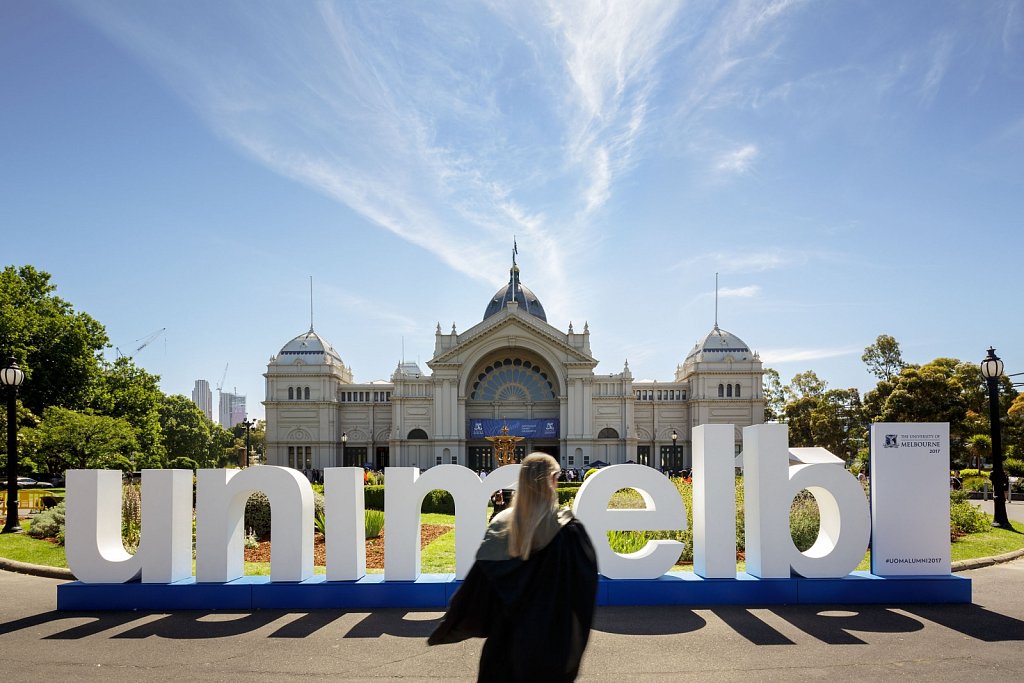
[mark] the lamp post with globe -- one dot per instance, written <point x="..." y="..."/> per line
<point x="992" y="370"/>
<point x="11" y="376"/>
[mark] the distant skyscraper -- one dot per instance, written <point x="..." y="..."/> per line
<point x="232" y="409"/>
<point x="203" y="397"/>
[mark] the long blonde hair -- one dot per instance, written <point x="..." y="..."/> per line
<point x="534" y="500"/>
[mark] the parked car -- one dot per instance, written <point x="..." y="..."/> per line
<point x="28" y="483"/>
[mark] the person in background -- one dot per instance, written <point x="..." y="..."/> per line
<point x="532" y="589"/>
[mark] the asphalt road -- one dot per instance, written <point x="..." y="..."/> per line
<point x="933" y="643"/>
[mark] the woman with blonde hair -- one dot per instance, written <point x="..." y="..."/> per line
<point x="531" y="591"/>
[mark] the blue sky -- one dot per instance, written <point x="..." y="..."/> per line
<point x="849" y="168"/>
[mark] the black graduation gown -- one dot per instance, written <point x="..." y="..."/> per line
<point x="536" y="615"/>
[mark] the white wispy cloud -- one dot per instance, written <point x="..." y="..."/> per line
<point x="449" y="128"/>
<point x="794" y="355"/>
<point x="747" y="292"/>
<point x="737" y="161"/>
<point x="750" y="261"/>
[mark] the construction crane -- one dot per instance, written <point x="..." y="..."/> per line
<point x="220" y="384"/>
<point x="146" y="341"/>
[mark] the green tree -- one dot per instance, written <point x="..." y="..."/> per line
<point x="68" y="439"/>
<point x="883" y="358"/>
<point x="979" y="447"/>
<point x="932" y="392"/>
<point x="222" y="448"/>
<point x="802" y="396"/>
<point x="57" y="347"/>
<point x="837" y="423"/>
<point x="125" y="390"/>
<point x="185" y="430"/>
<point x="774" y="396"/>
<point x="805" y="384"/>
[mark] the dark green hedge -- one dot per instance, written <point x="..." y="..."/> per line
<point x="435" y="501"/>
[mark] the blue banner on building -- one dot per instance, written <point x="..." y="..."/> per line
<point x="543" y="429"/>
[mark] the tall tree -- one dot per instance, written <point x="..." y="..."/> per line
<point x="72" y="440"/>
<point x="805" y="384"/>
<point x="123" y="389"/>
<point x="57" y="347"/>
<point x="932" y="392"/>
<point x="774" y="395"/>
<point x="883" y="358"/>
<point x="185" y="430"/>
<point x="837" y="422"/>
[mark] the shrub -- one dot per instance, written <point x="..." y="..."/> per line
<point x="374" y="523"/>
<point x="975" y="483"/>
<point x="373" y="497"/>
<point x="973" y="472"/>
<point x="964" y="518"/>
<point x="131" y="516"/>
<point x="257" y="513"/>
<point x="438" y="501"/>
<point x="1014" y="467"/>
<point x="49" y="523"/>
<point x="589" y="472"/>
<point x="435" y="501"/>
<point x="804" y="520"/>
<point x="566" y="495"/>
<point x="626" y="541"/>
<point x="183" y="463"/>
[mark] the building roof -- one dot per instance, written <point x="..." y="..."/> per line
<point x="719" y="344"/>
<point x="310" y="348"/>
<point x="515" y="289"/>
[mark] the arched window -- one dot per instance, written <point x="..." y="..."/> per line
<point x="608" y="433"/>
<point x="721" y="390"/>
<point x="298" y="393"/>
<point x="291" y="394"/>
<point x="737" y="391"/>
<point x="728" y="391"/>
<point x="305" y="393"/>
<point x="417" y="434"/>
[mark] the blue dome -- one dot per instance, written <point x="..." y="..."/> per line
<point x="526" y="299"/>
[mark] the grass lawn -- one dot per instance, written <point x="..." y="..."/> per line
<point x="24" y="548"/>
<point x="988" y="543"/>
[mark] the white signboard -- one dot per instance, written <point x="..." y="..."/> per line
<point x="910" y="499"/>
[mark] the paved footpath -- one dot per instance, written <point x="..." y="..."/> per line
<point x="928" y="643"/>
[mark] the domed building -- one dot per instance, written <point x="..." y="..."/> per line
<point x="511" y="369"/>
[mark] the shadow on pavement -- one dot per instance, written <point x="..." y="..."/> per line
<point x="835" y="625"/>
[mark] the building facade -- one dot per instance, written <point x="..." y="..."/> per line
<point x="232" y="409"/>
<point x="203" y="397"/>
<point x="513" y="369"/>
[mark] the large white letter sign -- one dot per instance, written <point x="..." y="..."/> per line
<point x="665" y="511"/>
<point x="403" y="498"/>
<point x="910" y="499"/>
<point x="714" y="502"/>
<point x="769" y="488"/>
<point x="95" y="552"/>
<point x="220" y="518"/>
<point x="345" y="540"/>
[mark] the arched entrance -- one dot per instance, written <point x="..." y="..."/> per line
<point x="517" y="388"/>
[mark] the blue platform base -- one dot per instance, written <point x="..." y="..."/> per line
<point x="436" y="590"/>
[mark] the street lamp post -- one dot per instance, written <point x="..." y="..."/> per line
<point x="247" y="423"/>
<point x="11" y="377"/>
<point x="344" y="440"/>
<point x="675" y="453"/>
<point x="991" y="370"/>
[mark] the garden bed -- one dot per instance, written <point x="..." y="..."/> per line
<point x="374" y="547"/>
